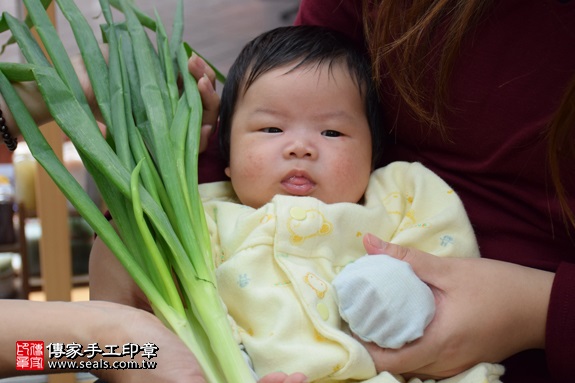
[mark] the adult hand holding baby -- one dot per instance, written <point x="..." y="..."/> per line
<point x="469" y="326"/>
<point x="406" y="303"/>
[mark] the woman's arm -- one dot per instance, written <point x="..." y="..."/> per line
<point x="109" y="281"/>
<point x="95" y="322"/>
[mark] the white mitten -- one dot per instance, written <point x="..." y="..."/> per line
<point x="383" y="301"/>
<point x="248" y="360"/>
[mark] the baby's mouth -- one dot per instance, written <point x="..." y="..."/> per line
<point x="298" y="184"/>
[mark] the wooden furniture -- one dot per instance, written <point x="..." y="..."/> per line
<point x="55" y="259"/>
<point x="51" y="208"/>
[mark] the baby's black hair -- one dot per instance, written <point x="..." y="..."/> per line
<point x="303" y="45"/>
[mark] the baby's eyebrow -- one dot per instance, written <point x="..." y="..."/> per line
<point x="263" y="110"/>
<point x="331" y="117"/>
<point x="337" y="114"/>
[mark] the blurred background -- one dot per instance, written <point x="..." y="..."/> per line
<point x="217" y="29"/>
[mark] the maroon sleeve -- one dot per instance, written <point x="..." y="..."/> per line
<point x="560" y="339"/>
<point x="342" y="15"/>
<point x="210" y="163"/>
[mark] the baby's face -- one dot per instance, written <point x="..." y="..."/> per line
<point x="304" y="133"/>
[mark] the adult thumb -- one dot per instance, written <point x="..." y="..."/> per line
<point x="422" y="263"/>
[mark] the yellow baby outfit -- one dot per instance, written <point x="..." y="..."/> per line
<point x="275" y="265"/>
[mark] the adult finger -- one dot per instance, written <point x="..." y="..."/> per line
<point x="423" y="264"/>
<point x="198" y="68"/>
<point x="210" y="101"/>
<point x="397" y="361"/>
<point x="281" y="377"/>
<point x="206" y="78"/>
<point x="296" y="377"/>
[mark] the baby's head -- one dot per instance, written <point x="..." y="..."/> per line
<point x="299" y="116"/>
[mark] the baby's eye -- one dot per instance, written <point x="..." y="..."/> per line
<point x="271" y="130"/>
<point x="331" y="133"/>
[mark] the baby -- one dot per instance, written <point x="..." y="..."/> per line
<point x="298" y="127"/>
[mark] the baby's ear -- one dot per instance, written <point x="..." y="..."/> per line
<point x="228" y="172"/>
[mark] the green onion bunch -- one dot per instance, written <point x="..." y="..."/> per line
<point x="146" y="166"/>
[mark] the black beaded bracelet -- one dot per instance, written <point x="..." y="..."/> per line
<point x="11" y="142"/>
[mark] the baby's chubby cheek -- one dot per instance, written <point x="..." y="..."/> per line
<point x="252" y="166"/>
<point x="251" y="176"/>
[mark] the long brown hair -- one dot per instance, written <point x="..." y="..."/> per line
<point x="404" y="31"/>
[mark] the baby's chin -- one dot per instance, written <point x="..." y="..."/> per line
<point x="256" y="204"/>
